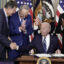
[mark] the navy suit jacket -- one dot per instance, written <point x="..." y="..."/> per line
<point x="38" y="46"/>
<point x="4" y="42"/>
<point x="17" y="36"/>
<point x="14" y="24"/>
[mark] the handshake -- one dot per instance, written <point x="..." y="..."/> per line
<point x="14" y="46"/>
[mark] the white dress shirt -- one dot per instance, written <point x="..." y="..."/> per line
<point x="47" y="41"/>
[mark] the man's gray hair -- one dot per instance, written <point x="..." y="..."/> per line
<point x="24" y="7"/>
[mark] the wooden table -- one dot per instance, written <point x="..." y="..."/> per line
<point x="33" y="60"/>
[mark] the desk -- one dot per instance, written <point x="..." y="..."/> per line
<point x="33" y="60"/>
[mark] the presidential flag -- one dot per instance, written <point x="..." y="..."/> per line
<point x="29" y="3"/>
<point x="48" y="10"/>
<point x="60" y="10"/>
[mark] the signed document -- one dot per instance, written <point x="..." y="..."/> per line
<point x="42" y="55"/>
<point x="48" y="55"/>
<point x="57" y="55"/>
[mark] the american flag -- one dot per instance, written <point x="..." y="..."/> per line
<point x="29" y="3"/>
<point x="60" y="10"/>
<point x="37" y="20"/>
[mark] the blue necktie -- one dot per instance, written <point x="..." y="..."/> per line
<point x="44" y="45"/>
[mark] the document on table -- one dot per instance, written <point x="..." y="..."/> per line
<point x="48" y="55"/>
<point x="42" y="55"/>
<point x="57" y="55"/>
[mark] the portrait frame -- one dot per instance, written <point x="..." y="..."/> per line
<point x="44" y="59"/>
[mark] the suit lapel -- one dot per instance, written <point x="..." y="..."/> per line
<point x="5" y="19"/>
<point x="40" y="41"/>
<point x="41" y="44"/>
<point x="17" y="19"/>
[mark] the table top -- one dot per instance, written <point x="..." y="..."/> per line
<point x="33" y="58"/>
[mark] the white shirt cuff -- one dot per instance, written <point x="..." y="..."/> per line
<point x="17" y="48"/>
<point x="20" y="30"/>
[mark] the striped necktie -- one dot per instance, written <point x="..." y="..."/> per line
<point x="44" y="45"/>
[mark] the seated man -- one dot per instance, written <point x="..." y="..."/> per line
<point x="44" y="43"/>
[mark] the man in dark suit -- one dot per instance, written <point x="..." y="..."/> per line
<point x="60" y="29"/>
<point x="5" y="43"/>
<point x="44" y="43"/>
<point x="20" y="28"/>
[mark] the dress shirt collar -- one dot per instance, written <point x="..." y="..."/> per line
<point x="45" y="37"/>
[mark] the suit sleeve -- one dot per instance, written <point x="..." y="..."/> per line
<point x="58" y="30"/>
<point x="3" y="39"/>
<point x="29" y="27"/>
<point x="29" y="46"/>
<point x="57" y="43"/>
<point x="14" y="29"/>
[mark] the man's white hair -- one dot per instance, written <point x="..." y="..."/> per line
<point x="48" y="24"/>
<point x="24" y="7"/>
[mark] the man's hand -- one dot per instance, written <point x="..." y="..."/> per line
<point x="24" y="24"/>
<point x="58" y="51"/>
<point x="22" y="29"/>
<point x="13" y="46"/>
